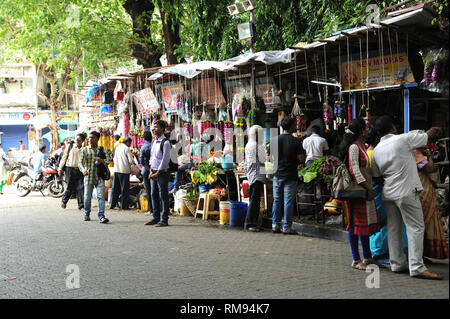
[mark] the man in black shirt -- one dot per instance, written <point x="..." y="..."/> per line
<point x="285" y="180"/>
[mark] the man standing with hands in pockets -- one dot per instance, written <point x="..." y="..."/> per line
<point x="159" y="175"/>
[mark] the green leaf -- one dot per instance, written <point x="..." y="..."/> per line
<point x="308" y="177"/>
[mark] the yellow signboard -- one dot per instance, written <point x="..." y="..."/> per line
<point x="383" y="71"/>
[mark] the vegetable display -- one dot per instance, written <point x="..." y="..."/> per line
<point x="205" y="174"/>
<point x="320" y="170"/>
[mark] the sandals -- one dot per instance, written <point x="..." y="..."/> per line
<point x="358" y="265"/>
<point x="372" y="261"/>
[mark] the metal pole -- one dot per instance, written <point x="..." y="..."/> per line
<point x="406" y="115"/>
<point x="252" y="18"/>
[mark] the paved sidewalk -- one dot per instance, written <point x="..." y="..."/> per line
<point x="189" y="259"/>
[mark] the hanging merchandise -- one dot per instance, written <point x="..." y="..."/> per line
<point x="126" y="123"/>
<point x="108" y="97"/>
<point x="118" y="92"/>
<point x="436" y="76"/>
<point x="339" y="114"/>
<point x="122" y="106"/>
<point x="349" y="113"/>
<point x="299" y="116"/>
<point x="222" y="113"/>
<point x="253" y="117"/>
<point x="327" y="115"/>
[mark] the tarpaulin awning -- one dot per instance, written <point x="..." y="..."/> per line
<point x="193" y="69"/>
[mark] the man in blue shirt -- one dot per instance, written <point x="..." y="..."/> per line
<point x="38" y="161"/>
<point x="144" y="160"/>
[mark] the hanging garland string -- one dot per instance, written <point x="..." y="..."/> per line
<point x="382" y="53"/>
<point x="307" y="73"/>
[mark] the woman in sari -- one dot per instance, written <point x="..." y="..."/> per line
<point x="435" y="244"/>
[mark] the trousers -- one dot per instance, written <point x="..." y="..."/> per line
<point x="75" y="185"/>
<point x="409" y="210"/>
<point x="251" y="220"/>
<point x="121" y="186"/>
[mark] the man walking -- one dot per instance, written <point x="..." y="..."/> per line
<point x="144" y="160"/>
<point x="123" y="159"/>
<point x="69" y="162"/>
<point x="91" y="157"/>
<point x="393" y="164"/>
<point x="285" y="180"/>
<point x="159" y="168"/>
<point x="254" y="158"/>
<point x="315" y="147"/>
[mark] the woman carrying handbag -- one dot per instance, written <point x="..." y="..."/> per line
<point x="363" y="216"/>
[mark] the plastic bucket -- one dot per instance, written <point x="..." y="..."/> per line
<point x="224" y="208"/>
<point x="238" y="211"/>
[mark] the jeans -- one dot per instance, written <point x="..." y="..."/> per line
<point x="88" y="189"/>
<point x="146" y="176"/>
<point x="160" y="190"/>
<point x="74" y="180"/>
<point x="251" y="220"/>
<point x="121" y="186"/>
<point x="180" y="170"/>
<point x="284" y="199"/>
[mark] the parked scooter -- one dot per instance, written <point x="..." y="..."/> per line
<point x="48" y="180"/>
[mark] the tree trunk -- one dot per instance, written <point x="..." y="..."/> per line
<point x="171" y="32"/>
<point x="53" y="128"/>
<point x="141" y="12"/>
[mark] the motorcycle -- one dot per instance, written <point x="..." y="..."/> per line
<point x="27" y="181"/>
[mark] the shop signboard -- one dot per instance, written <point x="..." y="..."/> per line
<point x="146" y="101"/>
<point x="208" y="91"/>
<point x="16" y="118"/>
<point x="264" y="88"/>
<point x="380" y="71"/>
<point x="171" y="95"/>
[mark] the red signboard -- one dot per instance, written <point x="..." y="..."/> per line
<point x="26" y="116"/>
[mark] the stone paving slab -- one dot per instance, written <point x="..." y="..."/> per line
<point x="190" y="259"/>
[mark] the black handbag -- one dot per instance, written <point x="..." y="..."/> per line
<point x="103" y="170"/>
<point x="345" y="188"/>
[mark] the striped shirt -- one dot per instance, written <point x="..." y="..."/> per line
<point x="87" y="164"/>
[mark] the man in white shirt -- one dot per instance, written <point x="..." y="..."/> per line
<point x="123" y="159"/>
<point x="315" y="147"/>
<point x="394" y="165"/>
<point x="69" y="163"/>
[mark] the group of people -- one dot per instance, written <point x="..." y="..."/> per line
<point x="394" y="169"/>
<point x="83" y="166"/>
<point x="395" y="179"/>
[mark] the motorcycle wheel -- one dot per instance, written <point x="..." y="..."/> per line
<point x="56" y="189"/>
<point x="23" y="186"/>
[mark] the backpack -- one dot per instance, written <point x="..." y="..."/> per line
<point x="103" y="170"/>
<point x="68" y="153"/>
<point x="173" y="166"/>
